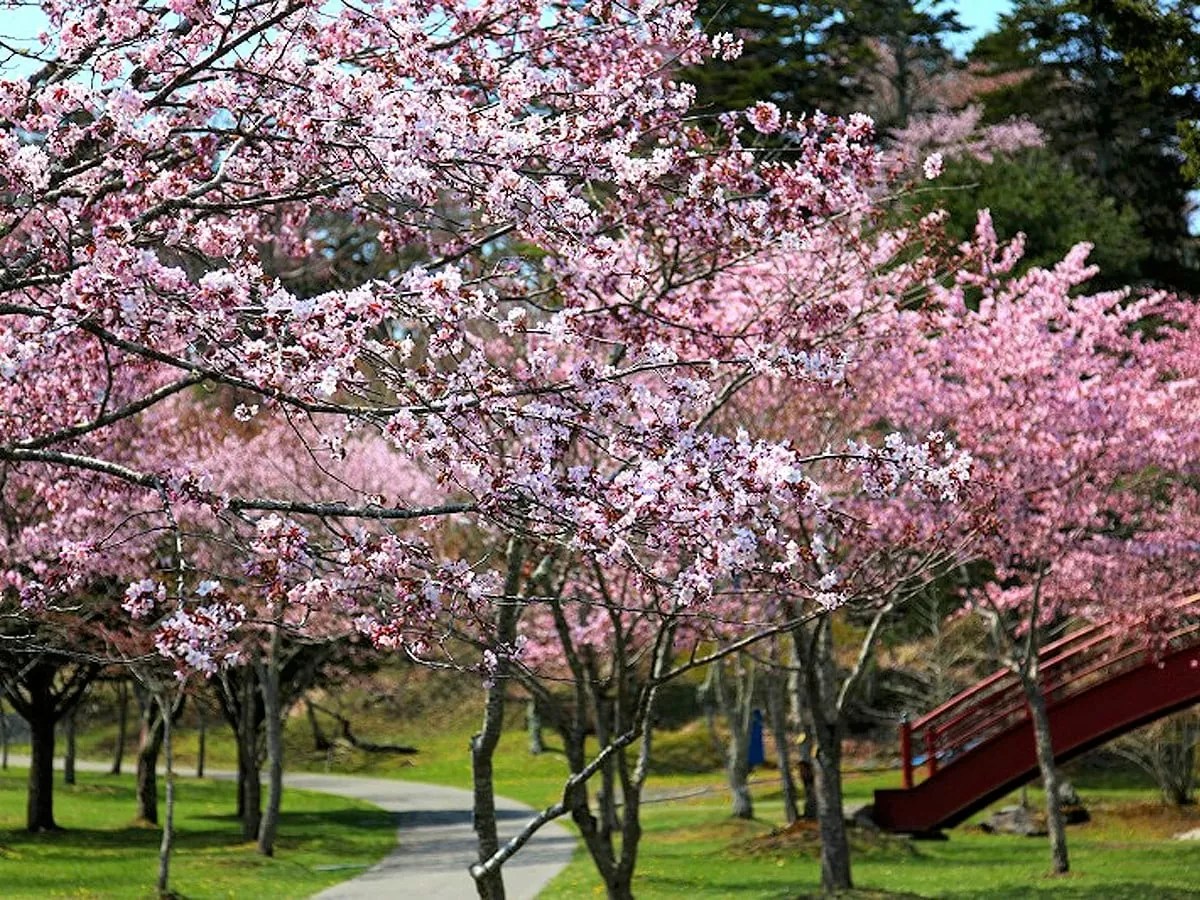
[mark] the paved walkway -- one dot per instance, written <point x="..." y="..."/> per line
<point x="435" y="841"/>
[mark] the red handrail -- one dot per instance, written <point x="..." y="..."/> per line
<point x="997" y="702"/>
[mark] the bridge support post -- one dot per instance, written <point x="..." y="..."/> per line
<point x="906" y="752"/>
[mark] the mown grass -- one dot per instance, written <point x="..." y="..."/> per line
<point x="691" y="848"/>
<point x="103" y="854"/>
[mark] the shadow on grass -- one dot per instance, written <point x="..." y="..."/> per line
<point x="765" y="888"/>
<point x="1064" y="890"/>
<point x="294" y="828"/>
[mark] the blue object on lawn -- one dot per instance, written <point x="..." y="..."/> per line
<point x="757" y="755"/>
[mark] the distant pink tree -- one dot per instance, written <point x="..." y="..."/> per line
<point x="1078" y="411"/>
<point x="565" y="303"/>
<point x="960" y="133"/>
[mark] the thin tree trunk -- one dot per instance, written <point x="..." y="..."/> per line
<point x="815" y="651"/>
<point x="3" y="737"/>
<point x="1055" y="822"/>
<point x="69" y="758"/>
<point x="802" y="717"/>
<point x="602" y="708"/>
<point x="831" y="816"/>
<point x="777" y="713"/>
<point x="808" y="779"/>
<point x="166" y="711"/>
<point x="122" y="727"/>
<point x="39" y="812"/>
<point x="533" y="724"/>
<point x="249" y="778"/>
<point x="490" y="884"/>
<point x="149" y="745"/>
<point x="735" y="707"/>
<point x="320" y="740"/>
<point x="273" y="714"/>
<point x="203" y="742"/>
<point x="483" y="747"/>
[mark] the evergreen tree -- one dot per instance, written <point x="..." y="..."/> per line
<point x="905" y="49"/>
<point x="1110" y="125"/>
<point x="876" y="55"/>
<point x="1162" y="42"/>
<point x="1036" y="194"/>
<point x="793" y="56"/>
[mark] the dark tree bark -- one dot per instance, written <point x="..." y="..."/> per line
<point x="777" y="714"/>
<point x="801" y="715"/>
<point x="201" y="750"/>
<point x="122" y="727"/>
<point x="240" y="697"/>
<point x="69" y="757"/>
<point x="240" y="702"/>
<point x="3" y="737"/>
<point x="489" y="883"/>
<point x="249" y="758"/>
<point x="321" y="741"/>
<point x="150" y="744"/>
<point x="39" y="810"/>
<point x="43" y="689"/>
<point x="150" y="737"/>
<point x="819" y="683"/>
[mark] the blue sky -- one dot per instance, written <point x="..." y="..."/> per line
<point x="979" y="16"/>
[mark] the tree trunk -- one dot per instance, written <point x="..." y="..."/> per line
<point x="490" y="885"/>
<point x="166" y="712"/>
<point x="203" y="742"/>
<point x="777" y="712"/>
<point x="320" y="741"/>
<point x="819" y="681"/>
<point x="149" y="745"/>
<point x="273" y="714"/>
<point x="831" y="816"/>
<point x="39" y="704"/>
<point x="735" y="707"/>
<point x="249" y="778"/>
<point x="122" y="727"/>
<point x="801" y="715"/>
<point x="533" y="724"/>
<point x="39" y="814"/>
<point x="1181" y="766"/>
<point x="1055" y="822"/>
<point x="69" y="758"/>
<point x="606" y="794"/>
<point x="3" y="737"/>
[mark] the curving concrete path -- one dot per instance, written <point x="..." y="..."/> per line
<point x="436" y="843"/>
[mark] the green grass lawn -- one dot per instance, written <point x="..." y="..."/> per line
<point x="323" y="840"/>
<point x="692" y="849"/>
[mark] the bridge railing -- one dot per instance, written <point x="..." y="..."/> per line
<point x="997" y="703"/>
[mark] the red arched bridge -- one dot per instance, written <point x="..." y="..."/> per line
<point x="1099" y="682"/>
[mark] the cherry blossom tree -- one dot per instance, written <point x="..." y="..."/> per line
<point x="1079" y="411"/>
<point x="548" y="334"/>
